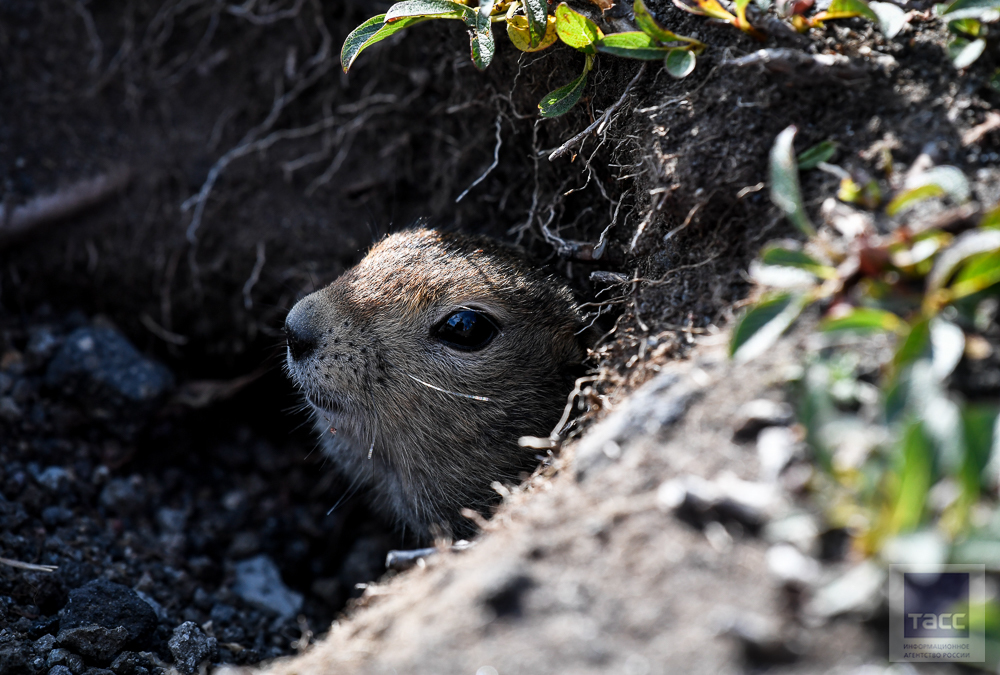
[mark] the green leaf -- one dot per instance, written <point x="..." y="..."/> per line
<point x="917" y="343"/>
<point x="645" y="21"/>
<point x="785" y="257"/>
<point x="891" y="18"/>
<point x="632" y="45"/>
<point x="371" y="31"/>
<point x="984" y="10"/>
<point x="785" y="191"/>
<point x="978" y="426"/>
<point x="864" y="320"/>
<point x="963" y="53"/>
<point x="908" y="198"/>
<point x="576" y="30"/>
<point x="680" y="62"/>
<point x="845" y="9"/>
<point x="536" y="12"/>
<point x="970" y="27"/>
<point x="980" y="273"/>
<point x="821" y="152"/>
<point x="431" y="9"/>
<point x="991" y="219"/>
<point x="964" y="247"/>
<point x="764" y="323"/>
<point x="481" y="39"/>
<point x="559" y="102"/>
<point x="915" y="474"/>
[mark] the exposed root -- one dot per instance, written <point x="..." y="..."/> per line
<point x="18" y="221"/>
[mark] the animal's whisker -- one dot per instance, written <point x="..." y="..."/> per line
<point x="445" y="391"/>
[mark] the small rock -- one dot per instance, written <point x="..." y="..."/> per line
<point x="10" y="411"/>
<point x="123" y="496"/>
<point x="791" y="567"/>
<point x="42" y="343"/>
<point x="100" y="361"/>
<point x="60" y="670"/>
<point x="94" y="642"/>
<point x="762" y="640"/>
<point x="756" y="415"/>
<point x="111" y="606"/>
<point x="775" y="449"/>
<point x="190" y="646"/>
<point x="798" y="529"/>
<point x="726" y="498"/>
<point x="171" y="520"/>
<point x="132" y="663"/>
<point x="259" y="583"/>
<point x="64" y="657"/>
<point x="55" y="515"/>
<point x="45" y="644"/>
<point x="856" y="591"/>
<point x="54" y="478"/>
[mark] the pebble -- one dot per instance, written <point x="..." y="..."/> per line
<point x="259" y="583"/>
<point x="111" y="606"/>
<point x="791" y="567"/>
<point x="94" y="642"/>
<point x="54" y="478"/>
<point x="775" y="448"/>
<point x="64" y="657"/>
<point x="856" y="591"/>
<point x="759" y="414"/>
<point x="100" y="360"/>
<point x="190" y="646"/>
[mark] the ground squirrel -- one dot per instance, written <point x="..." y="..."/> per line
<point x="423" y="365"/>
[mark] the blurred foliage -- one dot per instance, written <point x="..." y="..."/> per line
<point x="906" y="295"/>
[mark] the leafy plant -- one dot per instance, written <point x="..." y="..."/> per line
<point x="531" y="28"/>
<point x="967" y="21"/>
<point x="887" y="440"/>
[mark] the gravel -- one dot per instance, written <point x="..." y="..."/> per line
<point x="181" y="537"/>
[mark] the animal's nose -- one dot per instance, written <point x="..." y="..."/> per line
<point x="301" y="331"/>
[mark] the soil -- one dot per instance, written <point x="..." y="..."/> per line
<point x="218" y="468"/>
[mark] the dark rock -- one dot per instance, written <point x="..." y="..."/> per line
<point x="45" y="644"/>
<point x="12" y="516"/>
<point x="64" y="657"/>
<point x="95" y="643"/>
<point x="111" y="606"/>
<point x="47" y="626"/>
<point x="55" y="515"/>
<point x="54" y="478"/>
<point x="98" y="671"/>
<point x="60" y="670"/>
<point x="123" y="496"/>
<point x="190" y="646"/>
<point x="132" y="663"/>
<point x="100" y="361"/>
<point x="42" y="343"/>
<point x="17" y="657"/>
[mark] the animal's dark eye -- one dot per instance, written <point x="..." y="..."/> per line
<point x="467" y="330"/>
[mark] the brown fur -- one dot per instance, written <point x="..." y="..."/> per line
<point x="434" y="453"/>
